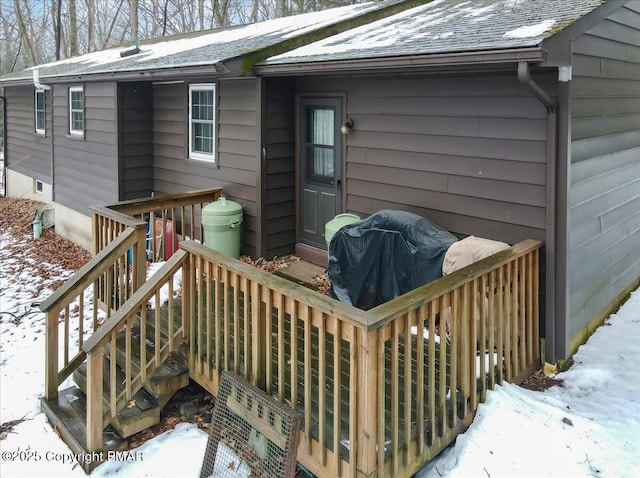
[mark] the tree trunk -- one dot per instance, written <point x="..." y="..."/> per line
<point x="91" y="12"/>
<point x="73" y="29"/>
<point x="56" y="5"/>
<point x="133" y="15"/>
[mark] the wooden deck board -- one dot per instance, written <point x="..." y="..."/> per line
<point x="301" y="272"/>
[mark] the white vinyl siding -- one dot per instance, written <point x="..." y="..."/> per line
<point x="40" y="111"/>
<point x="76" y="110"/>
<point x="202" y="119"/>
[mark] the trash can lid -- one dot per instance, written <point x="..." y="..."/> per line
<point x="222" y="207"/>
<point x="341" y="220"/>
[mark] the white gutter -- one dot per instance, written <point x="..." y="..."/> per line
<point x="36" y="81"/>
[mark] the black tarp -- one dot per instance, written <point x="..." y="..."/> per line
<point x="384" y="256"/>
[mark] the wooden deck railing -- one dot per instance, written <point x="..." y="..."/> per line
<point x="106" y="282"/>
<point x="441" y="347"/>
<point x="160" y="336"/>
<point x="171" y="218"/>
<point x="380" y="391"/>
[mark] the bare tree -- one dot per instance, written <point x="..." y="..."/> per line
<point x="24" y="33"/>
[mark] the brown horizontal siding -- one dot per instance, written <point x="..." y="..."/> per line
<point x="279" y="144"/>
<point x="237" y="147"/>
<point x="135" y="139"/>
<point x="468" y="153"/>
<point x="604" y="197"/>
<point x="86" y="168"/>
<point x="481" y="227"/>
<point x="487" y="168"/>
<point x="28" y="153"/>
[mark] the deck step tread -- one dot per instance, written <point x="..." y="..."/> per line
<point x="67" y="414"/>
<point x="142" y="411"/>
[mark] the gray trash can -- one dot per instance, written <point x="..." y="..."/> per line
<point x="336" y="223"/>
<point x="221" y="221"/>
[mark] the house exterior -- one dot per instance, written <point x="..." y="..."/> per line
<point x="495" y="118"/>
<point x="115" y="125"/>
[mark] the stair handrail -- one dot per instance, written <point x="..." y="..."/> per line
<point x="181" y="210"/>
<point x="131" y="239"/>
<point x="94" y="348"/>
<point x="165" y="201"/>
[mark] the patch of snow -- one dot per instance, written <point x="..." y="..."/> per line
<point x="425" y="334"/>
<point x="479" y="12"/>
<point x="530" y="31"/>
<point x="177" y="452"/>
<point x="164" y="290"/>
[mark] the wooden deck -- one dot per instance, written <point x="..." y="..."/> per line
<point x="380" y="391"/>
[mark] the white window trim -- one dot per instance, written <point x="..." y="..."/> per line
<point x="72" y="131"/>
<point x="197" y="154"/>
<point x="35" y="110"/>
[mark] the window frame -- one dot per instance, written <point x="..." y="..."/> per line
<point x="42" y="130"/>
<point x="72" y="131"/>
<point x="200" y="155"/>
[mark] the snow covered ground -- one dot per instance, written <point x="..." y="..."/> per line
<point x="589" y="427"/>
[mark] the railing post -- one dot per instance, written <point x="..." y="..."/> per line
<point x="258" y="338"/>
<point x="51" y="355"/>
<point x="94" y="399"/>
<point x="367" y="404"/>
<point x="188" y="304"/>
<point x="95" y="234"/>
<point x="140" y="258"/>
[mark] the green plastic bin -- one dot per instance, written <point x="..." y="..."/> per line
<point x="336" y="223"/>
<point x="221" y="221"/>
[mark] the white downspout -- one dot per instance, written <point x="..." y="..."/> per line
<point x="36" y="81"/>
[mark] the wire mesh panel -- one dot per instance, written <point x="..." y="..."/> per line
<point x="251" y="435"/>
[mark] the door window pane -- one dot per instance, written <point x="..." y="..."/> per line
<point x="320" y="144"/>
<point x="321" y="126"/>
<point x="323" y="161"/>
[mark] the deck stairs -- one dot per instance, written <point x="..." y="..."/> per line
<point x="68" y="415"/>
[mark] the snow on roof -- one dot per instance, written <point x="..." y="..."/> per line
<point x="443" y="26"/>
<point x="201" y="48"/>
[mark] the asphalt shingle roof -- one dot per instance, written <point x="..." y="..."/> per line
<point x="201" y="48"/>
<point x="444" y="26"/>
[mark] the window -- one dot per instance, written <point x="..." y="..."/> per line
<point x="40" y="111"/>
<point x="320" y="144"/>
<point x="76" y="110"/>
<point x="202" y="122"/>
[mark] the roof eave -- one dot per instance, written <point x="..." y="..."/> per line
<point x="450" y="59"/>
<point x="215" y="71"/>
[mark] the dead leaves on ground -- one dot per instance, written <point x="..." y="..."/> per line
<point x="7" y="427"/>
<point x="16" y="216"/>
